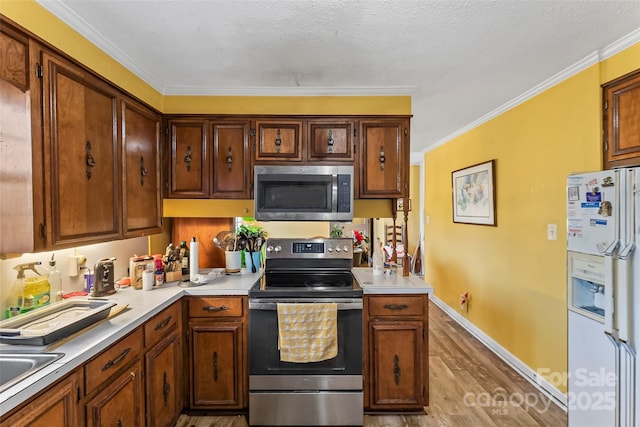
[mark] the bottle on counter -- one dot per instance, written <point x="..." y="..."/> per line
<point x="378" y="258"/>
<point x="55" y="281"/>
<point x="184" y="254"/>
<point x="159" y="272"/>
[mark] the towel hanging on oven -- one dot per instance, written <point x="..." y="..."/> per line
<point x="307" y="332"/>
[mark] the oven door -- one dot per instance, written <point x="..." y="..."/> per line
<point x="264" y="356"/>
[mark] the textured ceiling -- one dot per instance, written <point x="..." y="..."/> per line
<point x="459" y="60"/>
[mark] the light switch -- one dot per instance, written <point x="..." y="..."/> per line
<point x="552" y="231"/>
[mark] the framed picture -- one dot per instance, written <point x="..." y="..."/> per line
<point x="474" y="200"/>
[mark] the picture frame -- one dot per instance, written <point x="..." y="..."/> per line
<point x="473" y="194"/>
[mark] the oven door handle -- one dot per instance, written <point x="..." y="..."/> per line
<point x="273" y="306"/>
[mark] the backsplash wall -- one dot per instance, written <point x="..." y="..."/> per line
<point x="121" y="249"/>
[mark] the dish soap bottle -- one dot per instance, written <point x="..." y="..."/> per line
<point x="55" y="281"/>
<point x="378" y="259"/>
<point x="21" y="302"/>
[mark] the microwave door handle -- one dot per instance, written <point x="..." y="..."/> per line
<point x="334" y="193"/>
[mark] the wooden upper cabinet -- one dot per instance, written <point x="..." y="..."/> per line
<point x="81" y="154"/>
<point x="279" y="140"/>
<point x="22" y="220"/>
<point x="189" y="159"/>
<point x="384" y="158"/>
<point x="331" y="140"/>
<point x="621" y="121"/>
<point x="141" y="184"/>
<point x="231" y="160"/>
<point x="14" y="48"/>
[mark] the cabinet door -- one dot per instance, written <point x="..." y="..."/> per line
<point x="622" y="121"/>
<point x="232" y="174"/>
<point x="21" y="204"/>
<point x="120" y="403"/>
<point x="56" y="407"/>
<point x="163" y="382"/>
<point x="396" y="365"/>
<point x="141" y="170"/>
<point x="189" y="159"/>
<point x="384" y="159"/>
<point x="331" y="140"/>
<point x="279" y="140"/>
<point x="81" y="154"/>
<point x="216" y="371"/>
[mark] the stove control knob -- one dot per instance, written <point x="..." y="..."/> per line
<point x="330" y="249"/>
<point x="338" y="249"/>
<point x="269" y="248"/>
<point x="345" y="248"/>
<point x="278" y="248"/>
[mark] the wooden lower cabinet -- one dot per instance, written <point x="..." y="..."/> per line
<point x="396" y="352"/>
<point x="164" y="381"/>
<point x="218" y="353"/>
<point x="121" y="403"/>
<point x="55" y="407"/>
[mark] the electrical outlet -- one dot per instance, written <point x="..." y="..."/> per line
<point x="552" y="231"/>
<point x="464" y="302"/>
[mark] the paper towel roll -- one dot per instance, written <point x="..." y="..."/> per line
<point x="193" y="260"/>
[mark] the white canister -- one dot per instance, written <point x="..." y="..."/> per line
<point x="233" y="261"/>
<point x="148" y="279"/>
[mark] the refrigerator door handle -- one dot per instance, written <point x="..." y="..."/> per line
<point x="616" y="346"/>
<point x="623" y="310"/>
<point x="608" y="287"/>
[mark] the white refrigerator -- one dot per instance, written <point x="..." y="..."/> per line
<point x="603" y="299"/>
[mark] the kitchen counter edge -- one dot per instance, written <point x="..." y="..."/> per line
<point x="143" y="305"/>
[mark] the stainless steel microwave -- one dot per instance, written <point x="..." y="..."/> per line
<point x="303" y="193"/>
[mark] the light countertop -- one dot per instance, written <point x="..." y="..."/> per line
<point x="390" y="283"/>
<point x="143" y="305"/>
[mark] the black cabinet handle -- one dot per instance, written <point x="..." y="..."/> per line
<point x="330" y="141"/>
<point x="396" y="307"/>
<point x="89" y="160"/>
<point x="382" y="158"/>
<point x="213" y="309"/>
<point x="166" y="388"/>
<point x="143" y="171"/>
<point x="162" y="324"/>
<point x="215" y="366"/>
<point x="396" y="369"/>
<point x="117" y="360"/>
<point x="229" y="159"/>
<point x="187" y="158"/>
<point x="278" y="141"/>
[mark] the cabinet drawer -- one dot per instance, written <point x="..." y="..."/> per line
<point x="216" y="307"/>
<point x="110" y="361"/>
<point x="401" y="305"/>
<point x="161" y="324"/>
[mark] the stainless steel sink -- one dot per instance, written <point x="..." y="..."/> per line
<point x="15" y="366"/>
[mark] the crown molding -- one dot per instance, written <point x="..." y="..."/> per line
<point x="589" y="60"/>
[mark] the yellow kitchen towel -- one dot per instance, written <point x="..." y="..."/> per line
<point x="307" y="332"/>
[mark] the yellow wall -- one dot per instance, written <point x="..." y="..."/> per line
<point x="516" y="277"/>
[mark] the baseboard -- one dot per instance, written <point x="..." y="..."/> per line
<point x="545" y="387"/>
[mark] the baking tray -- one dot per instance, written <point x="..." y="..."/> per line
<point x="54" y="322"/>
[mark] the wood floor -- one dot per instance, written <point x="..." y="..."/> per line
<point x="469" y="386"/>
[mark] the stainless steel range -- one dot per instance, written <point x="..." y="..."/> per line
<point x="313" y="393"/>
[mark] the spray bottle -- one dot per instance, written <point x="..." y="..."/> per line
<point x="28" y="293"/>
<point x="55" y="281"/>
